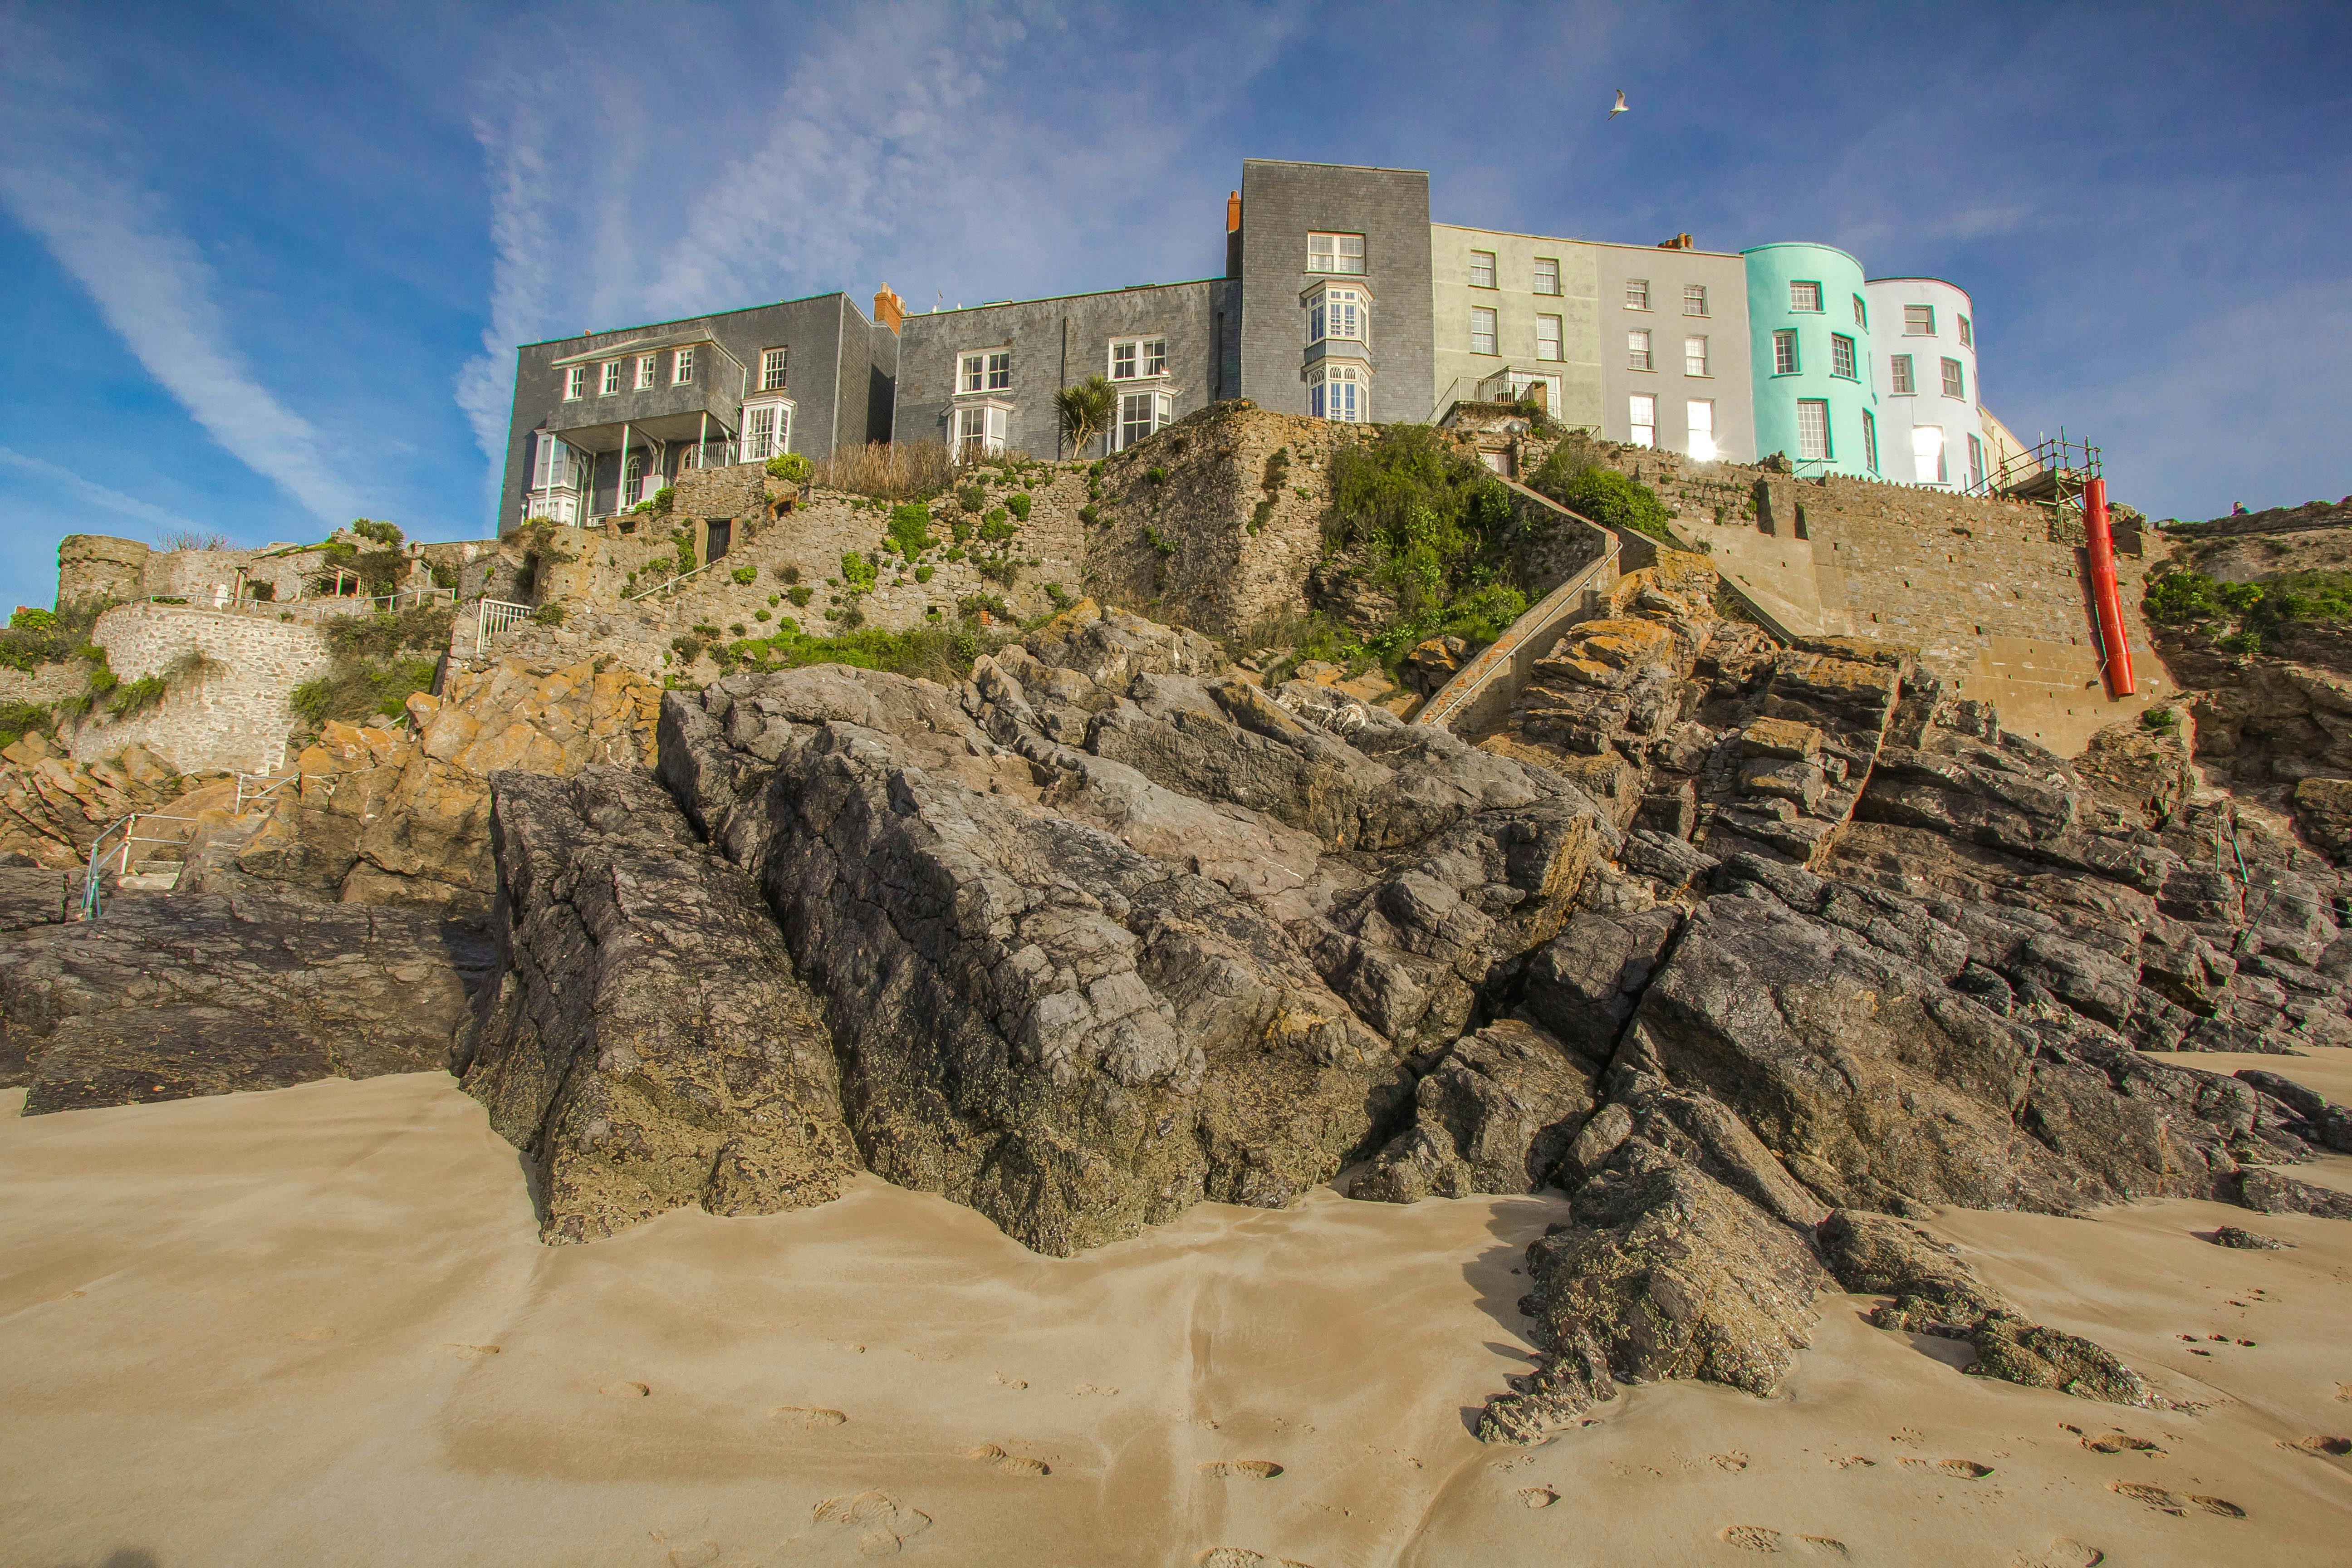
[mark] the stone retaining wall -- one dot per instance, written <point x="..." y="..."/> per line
<point x="235" y="715"/>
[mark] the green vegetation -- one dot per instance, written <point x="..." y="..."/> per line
<point x="800" y="595"/>
<point x="996" y="527"/>
<point x="923" y="574"/>
<point x="744" y="576"/>
<point x="1084" y="410"/>
<point x="2247" y="617"/>
<point x="1159" y="541"/>
<point x="385" y="534"/>
<point x="1156" y="476"/>
<point x="43" y="636"/>
<point x="657" y="504"/>
<point x="376" y="661"/>
<point x="791" y="467"/>
<point x="1019" y="503"/>
<point x="549" y="615"/>
<point x="1574" y="477"/>
<point x="857" y="572"/>
<point x="911" y="530"/>
<point x="20" y="719"/>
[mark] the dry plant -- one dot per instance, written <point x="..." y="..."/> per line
<point x="892" y="470"/>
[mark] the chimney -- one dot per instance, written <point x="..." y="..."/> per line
<point x="1233" y="213"/>
<point x="1234" y="235"/>
<point x="1679" y="242"/>
<point x="888" y="309"/>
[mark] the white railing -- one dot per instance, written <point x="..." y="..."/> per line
<point x="496" y="616"/>
<point x="102" y="852"/>
<point x="673" y="582"/>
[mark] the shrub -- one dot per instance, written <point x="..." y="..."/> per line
<point x="737" y="628"/>
<point x="923" y="574"/>
<point x="1019" y="503"/>
<point x="910" y="529"/>
<point x="20" y="719"/>
<point x="1058" y="597"/>
<point x="969" y="607"/>
<point x="549" y="615"/>
<point x="1084" y="411"/>
<point x="131" y="698"/>
<point x="745" y="576"/>
<point x="853" y="618"/>
<point x="857" y="573"/>
<point x="1005" y="571"/>
<point x="800" y="596"/>
<point x="1086" y="514"/>
<point x="789" y="466"/>
<point x="996" y="527"/>
<point x="1159" y="541"/>
<point x="903" y="470"/>
<point x="706" y="630"/>
<point x="177" y="539"/>
<point x="1609" y="497"/>
<point x="954" y="553"/>
<point x="384" y="533"/>
<point x="760" y="615"/>
<point x="42" y="636"/>
<point x="688" y="647"/>
<point x="971" y="498"/>
<point x="1156" y="476"/>
<point x="787" y="574"/>
<point x="444" y="575"/>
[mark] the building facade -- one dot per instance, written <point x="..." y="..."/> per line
<point x="604" y="420"/>
<point x="1808" y="331"/>
<point x="983" y="379"/>
<point x="1674" y="351"/>
<point x="1931" y="429"/>
<point x="1510" y="313"/>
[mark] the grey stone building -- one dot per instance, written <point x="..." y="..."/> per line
<point x="603" y="420"/>
<point x="982" y="378"/>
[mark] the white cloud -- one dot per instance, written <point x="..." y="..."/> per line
<point x="94" y="494"/>
<point x="64" y="177"/>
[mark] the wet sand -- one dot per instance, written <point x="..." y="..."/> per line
<point x="317" y="1327"/>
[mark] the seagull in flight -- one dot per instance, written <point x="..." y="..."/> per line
<point x="1620" y="104"/>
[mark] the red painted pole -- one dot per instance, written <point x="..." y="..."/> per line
<point x="2104" y="596"/>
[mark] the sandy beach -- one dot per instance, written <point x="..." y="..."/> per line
<point x="316" y="1327"/>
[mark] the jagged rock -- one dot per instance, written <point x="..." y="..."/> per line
<point x="1583" y="984"/>
<point x="2267" y="1192"/>
<point x="2247" y="1240"/>
<point x="2015" y="1351"/>
<point x="648" y="1045"/>
<point x="1433" y="662"/>
<point x="164" y="999"/>
<point x="35" y="896"/>
<point x="2324" y="1123"/>
<point x="1492" y="1115"/>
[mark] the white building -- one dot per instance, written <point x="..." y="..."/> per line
<point x="1924" y="370"/>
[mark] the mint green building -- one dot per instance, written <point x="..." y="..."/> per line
<point x="1809" y="328"/>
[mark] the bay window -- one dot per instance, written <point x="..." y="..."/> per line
<point x="1140" y="414"/>
<point x="979" y="431"/>
<point x="1340" y="314"/>
<point x="767" y="430"/>
<point x="1339" y="392"/>
<point x="681" y="367"/>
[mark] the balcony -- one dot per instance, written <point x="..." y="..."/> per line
<point x="704" y="408"/>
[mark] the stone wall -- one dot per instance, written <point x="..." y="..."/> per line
<point x="98" y="566"/>
<point x="235" y="715"/>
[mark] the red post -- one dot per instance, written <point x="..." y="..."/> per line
<point x="2104" y="596"/>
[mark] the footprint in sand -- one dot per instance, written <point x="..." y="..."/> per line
<point x="812" y="1417"/>
<point x="1750" y="1537"/>
<point x="2327" y="1446"/>
<point x="471" y="1353"/>
<point x="1001" y="1381"/>
<point x="1965" y="1469"/>
<point x="625" y="1390"/>
<point x="1909" y="1437"/>
<point x="1241" y="1470"/>
<point x="1733" y="1460"/>
<point x="1228" y="1557"/>
<point x="693" y="1554"/>
<point x="1089" y="1388"/>
<point x="2064" y="1552"/>
<point x="314" y="1336"/>
<point x="1848" y="1461"/>
<point x="1010" y="1464"/>
<point x="2177" y="1505"/>
<point x="2119" y="1442"/>
<point x="1537" y="1496"/>
<point x="880" y="1522"/>
<point x="1824" y="1546"/>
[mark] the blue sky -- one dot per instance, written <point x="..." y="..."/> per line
<point x="268" y="264"/>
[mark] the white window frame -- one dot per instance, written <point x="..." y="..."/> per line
<point x="1927" y="444"/>
<point x="681" y="367"/>
<point x="1698" y="415"/>
<point x="1956" y="379"/>
<point x="1340" y="257"/>
<point x="554" y="466"/>
<point x="575" y="383"/>
<point x="1482" y="262"/>
<point x="1339" y="392"/>
<point x="773" y="365"/>
<point x="1695" y="294"/>
<point x="1339" y="313"/>
<point x="1968" y="330"/>
<point x="1797" y="297"/>
<point x="1637" y="293"/>
<point x="980" y="372"/>
<point x="1918" y="321"/>
<point x="1794" y="362"/>
<point x="1126" y="429"/>
<point x="1147" y="358"/>
<point x="1547" y="272"/>
<point x="1641" y="417"/>
<point x="1548" y="338"/>
<point x="649" y="372"/>
<point x="1816" y="437"/>
<point x="610" y="386"/>
<point x="1848" y="358"/>
<point x="1870" y="439"/>
<point x="1694" y="357"/>
<point x="1638" y="354"/>
<point x="1976" y="462"/>
<point x="767" y="429"/>
<point x="1902" y="381"/>
<point x="1485" y="330"/>
<point x="981" y="425"/>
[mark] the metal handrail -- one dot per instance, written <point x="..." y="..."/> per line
<point x="494" y="617"/>
<point x="674" y="582"/>
<point x="99" y="854"/>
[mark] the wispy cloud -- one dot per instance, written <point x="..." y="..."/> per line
<point x="65" y="175"/>
<point x="95" y="494"/>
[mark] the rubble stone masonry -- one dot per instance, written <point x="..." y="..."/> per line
<point x="235" y="715"/>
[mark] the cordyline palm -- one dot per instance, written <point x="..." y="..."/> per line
<point x="1084" y="408"/>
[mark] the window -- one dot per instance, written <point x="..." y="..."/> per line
<point x="1482" y="331"/>
<point x="1927" y="455"/>
<point x="575" y="383"/>
<point x="1695" y="356"/>
<point x="554" y="467"/>
<point x="1140" y="414"/>
<point x="1548" y="337"/>
<point x="1644" y="410"/>
<point x="988" y="371"/>
<point x="1955" y="382"/>
<point x="1784" y="353"/>
<point x="1336" y="253"/>
<point x="1694" y="298"/>
<point x="1842" y="356"/>
<point x="1482" y="270"/>
<point x="1968" y="333"/>
<point x="767" y="431"/>
<point x="771" y="370"/>
<point x="1702" y="429"/>
<point x="980" y="431"/>
<point x="1805" y="297"/>
<point x="1918" y="321"/>
<point x="1870" y="439"/>
<point x="1134" y="357"/>
<point x="646" y="372"/>
<point x="1637" y="293"/>
<point x="1547" y="274"/>
<point x="633" y="479"/>
<point x="681" y="370"/>
<point x="1976" y="460"/>
<point x="611" y="382"/>
<point x="1339" y="313"/>
<point x="1814" y="429"/>
<point x="1899" y="371"/>
<point x="1637" y="350"/>
<point x="1861" y="314"/>
<point x="1339" y="392"/>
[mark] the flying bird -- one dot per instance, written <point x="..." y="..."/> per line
<point x="1620" y="104"/>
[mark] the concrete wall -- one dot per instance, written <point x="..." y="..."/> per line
<point x="1770" y="270"/>
<point x="236" y="715"/>
<point x="1282" y="203"/>
<point x="1727" y="382"/>
<point x="1899" y="414"/>
<point x="1517" y="305"/>
<point x="1055" y="342"/>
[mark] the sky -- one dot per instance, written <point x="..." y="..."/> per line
<point x="266" y="266"/>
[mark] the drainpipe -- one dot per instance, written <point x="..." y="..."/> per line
<point x="2105" y="598"/>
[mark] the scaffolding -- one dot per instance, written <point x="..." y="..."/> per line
<point x="2051" y="474"/>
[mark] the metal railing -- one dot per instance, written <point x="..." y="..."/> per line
<point x="668" y="582"/>
<point x="494" y="617"/>
<point x="102" y="852"/>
